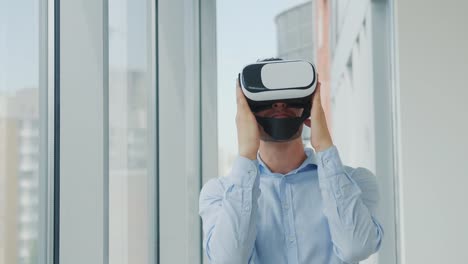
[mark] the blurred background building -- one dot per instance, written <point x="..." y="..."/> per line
<point x="357" y="95"/>
<point x="295" y="31"/>
<point x="128" y="172"/>
<point x="19" y="176"/>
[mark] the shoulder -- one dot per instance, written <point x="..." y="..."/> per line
<point x="211" y="195"/>
<point x="362" y="176"/>
<point x="367" y="183"/>
<point x="212" y="187"/>
<point x="242" y="174"/>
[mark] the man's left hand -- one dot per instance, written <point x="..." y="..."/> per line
<point x="320" y="137"/>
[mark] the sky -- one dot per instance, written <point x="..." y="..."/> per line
<point x="246" y="32"/>
<point x="19" y="40"/>
<point x="19" y="44"/>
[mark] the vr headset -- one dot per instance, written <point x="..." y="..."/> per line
<point x="289" y="81"/>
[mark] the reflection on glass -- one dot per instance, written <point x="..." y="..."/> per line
<point x="283" y="29"/>
<point x="129" y="231"/>
<point x="297" y="29"/>
<point x="294" y="27"/>
<point x="19" y="132"/>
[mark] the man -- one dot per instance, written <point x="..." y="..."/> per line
<point x="282" y="203"/>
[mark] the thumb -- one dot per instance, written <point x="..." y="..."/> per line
<point x="316" y="99"/>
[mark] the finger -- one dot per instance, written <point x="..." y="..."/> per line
<point x="241" y="101"/>
<point x="239" y="95"/>
<point x="238" y="91"/>
<point x="316" y="98"/>
<point x="307" y="122"/>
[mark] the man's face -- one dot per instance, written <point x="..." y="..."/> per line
<point x="279" y="110"/>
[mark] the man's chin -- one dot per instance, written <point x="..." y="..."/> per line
<point x="267" y="138"/>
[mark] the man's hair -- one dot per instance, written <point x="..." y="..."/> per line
<point x="270" y="59"/>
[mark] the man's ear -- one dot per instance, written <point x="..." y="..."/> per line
<point x="307" y="122"/>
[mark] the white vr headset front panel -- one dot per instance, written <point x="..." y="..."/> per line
<point x="281" y="75"/>
<point x="287" y="75"/>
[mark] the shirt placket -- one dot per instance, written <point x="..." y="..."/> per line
<point x="288" y="220"/>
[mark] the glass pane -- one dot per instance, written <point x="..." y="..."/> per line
<point x="293" y="30"/>
<point x="20" y="135"/>
<point x="277" y="31"/>
<point x="129" y="192"/>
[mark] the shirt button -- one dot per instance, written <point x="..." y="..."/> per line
<point x="286" y="206"/>
<point x="247" y="208"/>
<point x="338" y="194"/>
<point x="291" y="239"/>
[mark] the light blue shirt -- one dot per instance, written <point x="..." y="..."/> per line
<point x="322" y="212"/>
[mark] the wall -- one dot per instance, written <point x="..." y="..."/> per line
<point x="432" y="56"/>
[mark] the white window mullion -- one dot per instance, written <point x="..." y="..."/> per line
<point x="179" y="131"/>
<point x="47" y="109"/>
<point x="83" y="132"/>
<point x="209" y="99"/>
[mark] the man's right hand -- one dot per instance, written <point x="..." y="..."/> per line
<point x="248" y="135"/>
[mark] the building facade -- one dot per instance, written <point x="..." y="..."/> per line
<point x="295" y="31"/>
<point x="19" y="174"/>
<point x="353" y="53"/>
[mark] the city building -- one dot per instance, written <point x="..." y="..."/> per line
<point x="295" y="32"/>
<point x="19" y="138"/>
<point x="295" y="35"/>
<point x="9" y="199"/>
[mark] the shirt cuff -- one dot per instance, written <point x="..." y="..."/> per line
<point x="244" y="172"/>
<point x="330" y="162"/>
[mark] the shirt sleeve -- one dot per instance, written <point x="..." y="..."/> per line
<point x="349" y="207"/>
<point x="228" y="208"/>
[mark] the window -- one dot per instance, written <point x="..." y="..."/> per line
<point x="130" y="173"/>
<point x="283" y="29"/>
<point x="23" y="158"/>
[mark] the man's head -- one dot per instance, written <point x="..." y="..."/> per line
<point x="280" y="120"/>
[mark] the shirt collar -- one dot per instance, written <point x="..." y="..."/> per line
<point x="309" y="161"/>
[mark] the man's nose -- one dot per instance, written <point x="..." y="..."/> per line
<point x="279" y="105"/>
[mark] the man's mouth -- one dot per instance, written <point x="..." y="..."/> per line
<point x="281" y="115"/>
